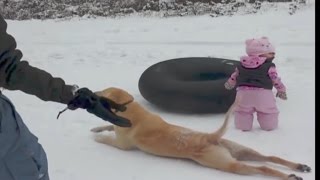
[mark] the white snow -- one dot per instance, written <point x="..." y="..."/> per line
<point x="99" y="53"/>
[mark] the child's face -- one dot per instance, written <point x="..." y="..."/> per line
<point x="268" y="55"/>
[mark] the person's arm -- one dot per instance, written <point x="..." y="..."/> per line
<point x="31" y="80"/>
<point x="19" y="75"/>
<point x="277" y="83"/>
<point x="232" y="81"/>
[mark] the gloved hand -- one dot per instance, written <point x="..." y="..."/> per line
<point x="282" y="95"/>
<point x="99" y="106"/>
<point x="228" y="86"/>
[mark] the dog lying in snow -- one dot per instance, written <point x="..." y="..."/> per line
<point x="151" y="134"/>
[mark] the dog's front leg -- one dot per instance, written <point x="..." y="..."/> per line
<point x="115" y="142"/>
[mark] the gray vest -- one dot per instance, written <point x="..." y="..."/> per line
<point x="21" y="156"/>
<point x="255" y="77"/>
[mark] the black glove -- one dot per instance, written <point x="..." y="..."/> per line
<point x="99" y="106"/>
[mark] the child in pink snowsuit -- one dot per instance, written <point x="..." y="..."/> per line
<point x="255" y="77"/>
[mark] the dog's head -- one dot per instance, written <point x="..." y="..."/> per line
<point x="117" y="95"/>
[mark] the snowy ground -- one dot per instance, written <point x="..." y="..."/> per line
<point x="114" y="52"/>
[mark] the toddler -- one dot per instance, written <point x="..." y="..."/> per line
<point x="254" y="78"/>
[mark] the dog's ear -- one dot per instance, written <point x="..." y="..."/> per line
<point x="117" y="95"/>
<point x="99" y="93"/>
<point x="103" y="93"/>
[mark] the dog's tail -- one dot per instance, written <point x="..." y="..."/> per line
<point x="214" y="137"/>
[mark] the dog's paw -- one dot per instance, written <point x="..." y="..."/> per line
<point x="303" y="168"/>
<point x="102" y="128"/>
<point x="96" y="129"/>
<point x="100" y="138"/>
<point x="294" y="177"/>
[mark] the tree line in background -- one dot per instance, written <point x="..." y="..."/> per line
<point x="52" y="9"/>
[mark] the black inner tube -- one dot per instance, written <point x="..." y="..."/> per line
<point x="208" y="76"/>
<point x="189" y="85"/>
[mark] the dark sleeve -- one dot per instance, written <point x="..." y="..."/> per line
<point x="19" y="75"/>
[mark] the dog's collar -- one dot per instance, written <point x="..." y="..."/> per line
<point x="124" y="104"/>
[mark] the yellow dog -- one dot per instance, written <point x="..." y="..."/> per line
<point x="151" y="134"/>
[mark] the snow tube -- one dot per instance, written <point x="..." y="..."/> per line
<point x="189" y="85"/>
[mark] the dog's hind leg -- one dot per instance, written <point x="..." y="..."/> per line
<point x="220" y="158"/>
<point x="103" y="128"/>
<point x="243" y="153"/>
<point x="244" y="169"/>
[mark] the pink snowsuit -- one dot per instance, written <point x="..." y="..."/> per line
<point x="255" y="78"/>
<point x="256" y="99"/>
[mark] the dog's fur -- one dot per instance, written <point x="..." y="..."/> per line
<point x="150" y="133"/>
